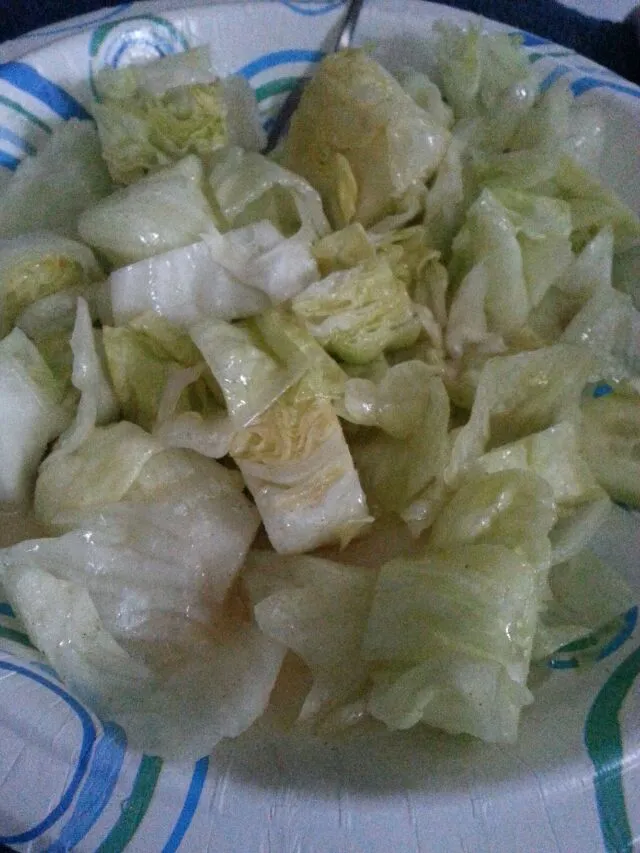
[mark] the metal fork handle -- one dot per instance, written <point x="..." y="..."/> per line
<point x="344" y="39"/>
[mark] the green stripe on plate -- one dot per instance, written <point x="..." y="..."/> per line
<point x="18" y="108"/>
<point x="603" y="740"/>
<point x="135" y="807"/>
<point x="275" y="87"/>
<point x="15" y="636"/>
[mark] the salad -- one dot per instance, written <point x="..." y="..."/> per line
<point x="353" y="411"/>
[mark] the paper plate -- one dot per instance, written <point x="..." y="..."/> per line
<point x="67" y="779"/>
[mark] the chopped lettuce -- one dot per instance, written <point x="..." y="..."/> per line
<point x="513" y="508"/>
<point x="371" y="144"/>
<point x="318" y="609"/>
<point x="140" y="359"/>
<point x="99" y="472"/>
<point x="34" y="412"/>
<point x="164" y="211"/>
<point x="50" y="190"/>
<point x="357" y="314"/>
<point x="182" y="285"/>
<point x="250" y="378"/>
<point x="409" y="451"/>
<point x="249" y="187"/>
<point x="98" y="404"/>
<point x="35" y="266"/>
<point x="147" y="117"/>
<point x="296" y="463"/>
<point x="129" y="608"/>
<point x="451" y="636"/>
<point x="520" y="394"/>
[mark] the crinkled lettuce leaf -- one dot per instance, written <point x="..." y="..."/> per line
<point x="518" y="395"/>
<point x="319" y="609"/>
<point x="182" y="285"/>
<point x="140" y="359"/>
<point x="451" y="636"/>
<point x="296" y="463"/>
<point x="359" y="313"/>
<point x="372" y="138"/>
<point x="35" y="266"/>
<point x="50" y="190"/>
<point x="150" y="116"/>
<point x="248" y="187"/>
<point x="34" y="411"/>
<point x="129" y="608"/>
<point x="250" y="377"/>
<point x="409" y="450"/>
<point x="166" y="210"/>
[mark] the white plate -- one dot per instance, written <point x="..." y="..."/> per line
<point x="67" y="780"/>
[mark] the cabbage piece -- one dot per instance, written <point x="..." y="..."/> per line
<point x="575" y="531"/>
<point x="606" y="325"/>
<point x="149" y="116"/>
<point x="521" y="243"/>
<point x="553" y="454"/>
<point x="50" y="190"/>
<point x="589" y="273"/>
<point x="35" y="266"/>
<point x="284" y="269"/>
<point x="520" y="394"/>
<point x="182" y="285"/>
<point x="318" y="609"/>
<point x="426" y="95"/>
<point x="164" y="211"/>
<point x="477" y="69"/>
<point x="445" y="200"/>
<point x="249" y="187"/>
<point x="593" y="207"/>
<point x="610" y="441"/>
<point x="98" y="404"/>
<point x="218" y="690"/>
<point x="99" y="472"/>
<point x="294" y="346"/>
<point x="410" y="451"/>
<point x="586" y="594"/>
<point x="140" y="359"/>
<point x="372" y="143"/>
<point x="357" y="314"/>
<point x="249" y="377"/>
<point x="344" y="249"/>
<point x="129" y="608"/>
<point x="452" y="633"/>
<point x="296" y="463"/>
<point x="513" y="508"/>
<point x="208" y="432"/>
<point x="33" y="413"/>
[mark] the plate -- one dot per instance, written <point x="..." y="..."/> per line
<point x="68" y="780"/>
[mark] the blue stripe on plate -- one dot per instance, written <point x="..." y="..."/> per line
<point x="190" y="805"/>
<point x="88" y="738"/>
<point x="12" y="137"/>
<point x="27" y="79"/>
<point x="278" y="57"/>
<point x="9" y="161"/>
<point x="553" y="77"/>
<point x="585" y="84"/>
<point x="97" y="790"/>
<point x="6" y="609"/>
<point x="308" y="7"/>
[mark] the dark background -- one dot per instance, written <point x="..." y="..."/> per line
<point x="614" y="45"/>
